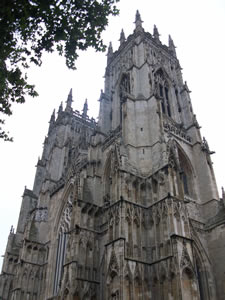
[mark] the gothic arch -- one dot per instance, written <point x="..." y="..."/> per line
<point x="61" y="227"/>
<point x="123" y="74"/>
<point x="162" y="85"/>
<point x="181" y="162"/>
<point x="160" y="68"/>
<point x="203" y="268"/>
<point x="180" y="148"/>
<point x="63" y="204"/>
<point x="187" y="173"/>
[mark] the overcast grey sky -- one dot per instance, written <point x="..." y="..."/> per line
<point x="197" y="28"/>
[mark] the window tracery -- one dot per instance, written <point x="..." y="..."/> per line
<point x="162" y="91"/>
<point x="62" y="242"/>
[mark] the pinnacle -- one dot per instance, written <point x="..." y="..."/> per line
<point x="171" y="45"/>
<point x="155" y="32"/>
<point x="52" y="116"/>
<point x="110" y="46"/>
<point x="69" y="101"/>
<point x="110" y="52"/>
<point x="110" y="49"/>
<point x="138" y="16"/>
<point x="60" y="108"/>
<point x="138" y="22"/>
<point x="85" y="107"/>
<point x="122" y="37"/>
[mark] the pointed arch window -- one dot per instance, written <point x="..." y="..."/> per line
<point x="186" y="175"/>
<point x="202" y="264"/>
<point x="162" y="89"/>
<point x="60" y="258"/>
<point x="124" y="85"/>
<point x="62" y="244"/>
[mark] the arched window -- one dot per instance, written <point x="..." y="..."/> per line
<point x="124" y="85"/>
<point x="59" y="260"/>
<point x="62" y="243"/>
<point x="186" y="175"/>
<point x="203" y="275"/>
<point x="162" y="90"/>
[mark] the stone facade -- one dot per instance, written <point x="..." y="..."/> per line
<point x="126" y="208"/>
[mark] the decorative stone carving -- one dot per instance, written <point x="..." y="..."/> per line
<point x="176" y="130"/>
<point x="41" y="215"/>
<point x="185" y="261"/>
<point x="113" y="268"/>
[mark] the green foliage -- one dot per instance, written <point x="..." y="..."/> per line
<point x="30" y="27"/>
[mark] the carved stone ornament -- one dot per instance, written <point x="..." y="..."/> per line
<point x="173" y="158"/>
<point x="66" y="216"/>
<point x="127" y="272"/>
<point x="185" y="261"/>
<point x="113" y="265"/>
<point x="41" y="215"/>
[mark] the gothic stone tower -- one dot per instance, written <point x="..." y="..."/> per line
<point x="126" y="208"/>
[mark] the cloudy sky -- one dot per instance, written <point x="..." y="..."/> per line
<point x="197" y="28"/>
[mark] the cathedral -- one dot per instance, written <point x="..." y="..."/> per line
<point x="126" y="208"/>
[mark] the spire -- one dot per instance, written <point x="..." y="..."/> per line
<point x="60" y="108"/>
<point x="69" y="102"/>
<point x="172" y="48"/>
<point x="138" y="22"/>
<point x="110" y="52"/>
<point x="122" y="37"/>
<point x="85" y="108"/>
<point x="156" y="33"/>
